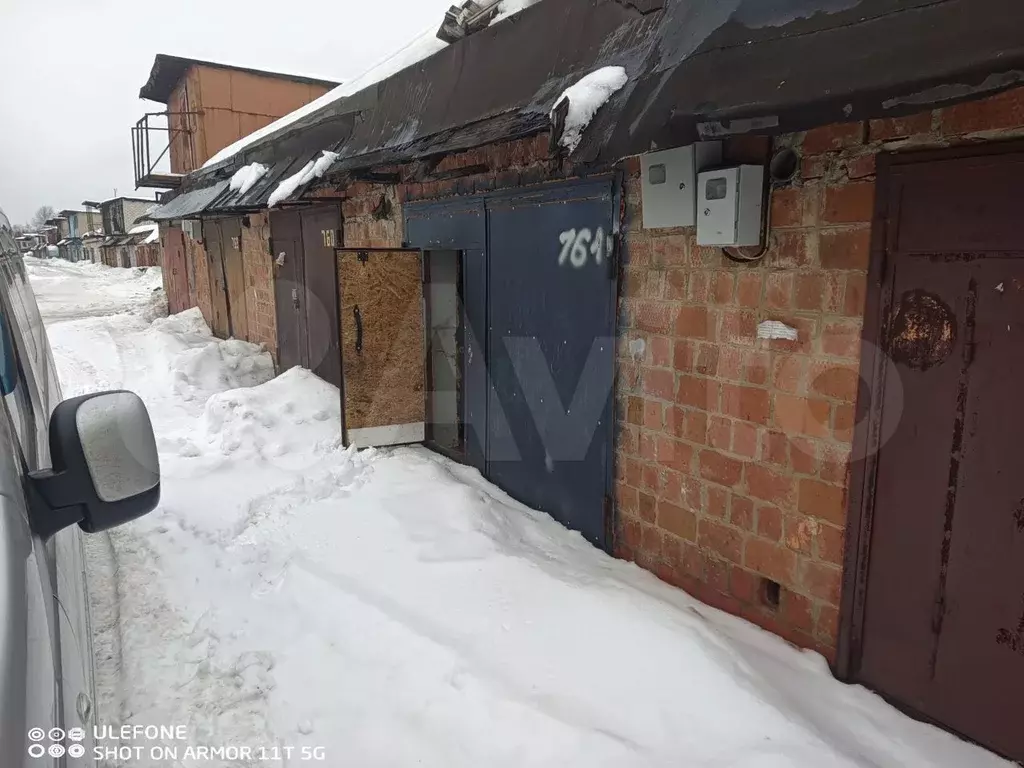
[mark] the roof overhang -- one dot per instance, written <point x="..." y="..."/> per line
<point x="697" y="69"/>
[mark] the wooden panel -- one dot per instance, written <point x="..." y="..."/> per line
<point x="215" y="87"/>
<point x="383" y="342"/>
<point x="220" y="320"/>
<point x="175" y="272"/>
<point x="261" y="95"/>
<point x="231" y="244"/>
<point x="221" y="128"/>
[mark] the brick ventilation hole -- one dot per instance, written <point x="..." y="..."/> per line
<point x="771" y="593"/>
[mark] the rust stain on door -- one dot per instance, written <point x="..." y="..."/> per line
<point x="923" y="330"/>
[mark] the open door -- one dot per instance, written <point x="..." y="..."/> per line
<point x="383" y="346"/>
<point x="213" y="240"/>
<point x="234" y="276"/>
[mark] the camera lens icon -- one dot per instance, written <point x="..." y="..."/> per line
<point x="56" y="734"/>
<point x="56" y="750"/>
<point x="76" y="734"/>
<point x="76" y="750"/>
<point x="36" y="734"/>
<point x="36" y="750"/>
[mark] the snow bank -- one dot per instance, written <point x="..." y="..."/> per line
<point x="314" y="169"/>
<point x="282" y="418"/>
<point x="246" y="177"/>
<point x="585" y="98"/>
<point x="219" y="367"/>
<point x="153" y="231"/>
<point x="392" y="608"/>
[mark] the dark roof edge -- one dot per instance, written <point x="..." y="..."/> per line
<point x="694" y="73"/>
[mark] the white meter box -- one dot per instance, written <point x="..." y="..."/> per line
<point x="730" y="206"/>
<point x="669" y="181"/>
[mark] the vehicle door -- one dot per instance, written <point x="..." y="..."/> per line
<point x="60" y="562"/>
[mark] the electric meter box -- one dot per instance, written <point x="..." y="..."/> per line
<point x="730" y="204"/>
<point x="669" y="183"/>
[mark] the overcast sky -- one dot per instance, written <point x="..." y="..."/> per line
<point x="71" y="70"/>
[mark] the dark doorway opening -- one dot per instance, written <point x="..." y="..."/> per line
<point x="443" y="292"/>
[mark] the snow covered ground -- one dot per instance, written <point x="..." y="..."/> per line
<point x="394" y="609"/>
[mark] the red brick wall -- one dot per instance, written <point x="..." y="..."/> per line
<point x="372" y="213"/>
<point x="258" y="271"/>
<point x="732" y="462"/>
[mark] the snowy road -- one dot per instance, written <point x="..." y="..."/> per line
<point x="391" y="608"/>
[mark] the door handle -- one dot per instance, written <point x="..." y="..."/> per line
<point x="83" y="705"/>
<point x="359" y="329"/>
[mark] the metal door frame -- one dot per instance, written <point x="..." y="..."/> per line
<point x="868" y="413"/>
<point x="450" y="235"/>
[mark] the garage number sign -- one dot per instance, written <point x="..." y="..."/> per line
<point x="579" y="245"/>
<point x="330" y="238"/>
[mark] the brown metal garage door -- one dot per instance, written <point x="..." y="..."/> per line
<point x="939" y="625"/>
<point x="306" y="289"/>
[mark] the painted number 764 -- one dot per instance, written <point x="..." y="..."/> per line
<point x="578" y="245"/>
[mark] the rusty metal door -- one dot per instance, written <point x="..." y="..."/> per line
<point x="383" y="346"/>
<point x="177" y="272"/>
<point x="942" y="630"/>
<point x="234" y="275"/>
<point x="320" y="236"/>
<point x="289" y="292"/>
<point x="213" y="240"/>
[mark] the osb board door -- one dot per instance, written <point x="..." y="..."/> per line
<point x="218" y="282"/>
<point x="231" y="242"/>
<point x="383" y="347"/>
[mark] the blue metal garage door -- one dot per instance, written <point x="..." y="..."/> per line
<point x="550" y="347"/>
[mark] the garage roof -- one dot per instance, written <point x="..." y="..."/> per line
<point x="697" y="68"/>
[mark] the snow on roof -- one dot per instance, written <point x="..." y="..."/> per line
<point x="246" y="176"/>
<point x="152" y="229"/>
<point x="423" y="46"/>
<point x="314" y="169"/>
<point x="586" y="97"/>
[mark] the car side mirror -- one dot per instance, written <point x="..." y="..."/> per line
<point x="106" y="471"/>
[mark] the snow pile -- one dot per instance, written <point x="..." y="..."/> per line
<point x="219" y="367"/>
<point x="246" y="177"/>
<point x="585" y="98"/>
<point x="153" y="230"/>
<point x="277" y="420"/>
<point x="392" y="608"/>
<point x="511" y="7"/>
<point x="314" y="169"/>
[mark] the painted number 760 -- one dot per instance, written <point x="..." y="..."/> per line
<point x="578" y="245"/>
